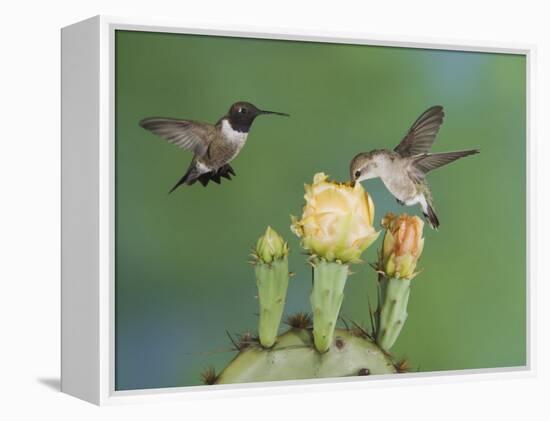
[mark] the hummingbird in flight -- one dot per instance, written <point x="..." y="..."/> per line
<point x="403" y="170"/>
<point x="213" y="145"/>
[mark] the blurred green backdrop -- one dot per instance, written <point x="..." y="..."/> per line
<point x="182" y="277"/>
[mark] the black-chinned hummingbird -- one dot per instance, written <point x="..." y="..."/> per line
<point x="213" y="145"/>
<point x="403" y="170"/>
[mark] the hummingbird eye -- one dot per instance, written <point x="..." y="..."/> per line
<point x="242" y="110"/>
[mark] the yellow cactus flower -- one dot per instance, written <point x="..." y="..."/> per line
<point x="337" y="220"/>
<point x="403" y="244"/>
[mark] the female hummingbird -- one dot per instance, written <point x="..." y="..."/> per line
<point x="213" y="145"/>
<point x="403" y="170"/>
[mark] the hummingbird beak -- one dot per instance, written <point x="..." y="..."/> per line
<point x="273" y="112"/>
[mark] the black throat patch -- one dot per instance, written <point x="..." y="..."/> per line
<point x="240" y="125"/>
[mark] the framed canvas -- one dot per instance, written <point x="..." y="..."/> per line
<point x="246" y="209"/>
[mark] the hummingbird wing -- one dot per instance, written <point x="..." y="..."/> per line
<point x="420" y="137"/>
<point x="430" y="161"/>
<point x="186" y="134"/>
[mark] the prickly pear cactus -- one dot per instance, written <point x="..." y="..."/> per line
<point x="336" y="227"/>
<point x="295" y="357"/>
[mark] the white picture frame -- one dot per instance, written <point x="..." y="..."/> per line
<point x="88" y="213"/>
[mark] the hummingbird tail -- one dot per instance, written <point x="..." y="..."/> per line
<point x="428" y="210"/>
<point x="192" y="176"/>
<point x="431" y="217"/>
<point x="181" y="181"/>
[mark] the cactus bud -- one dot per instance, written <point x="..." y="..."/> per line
<point x="403" y="244"/>
<point x="271" y="269"/>
<point x="271" y="246"/>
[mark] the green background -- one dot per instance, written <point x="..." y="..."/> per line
<point x="182" y="277"/>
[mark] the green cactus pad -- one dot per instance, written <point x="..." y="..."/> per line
<point x="272" y="282"/>
<point x="294" y="357"/>
<point x="394" y="310"/>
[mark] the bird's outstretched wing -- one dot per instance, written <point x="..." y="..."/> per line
<point x="420" y="137"/>
<point x="422" y="164"/>
<point x="428" y="162"/>
<point x="185" y="134"/>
